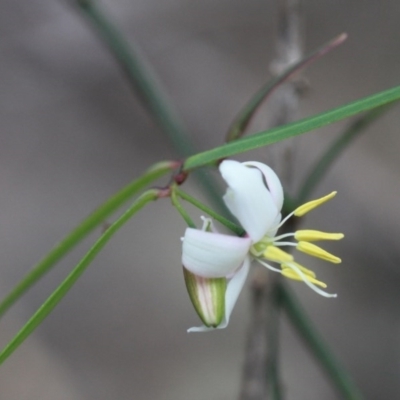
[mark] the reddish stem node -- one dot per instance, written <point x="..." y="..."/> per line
<point x="180" y="177"/>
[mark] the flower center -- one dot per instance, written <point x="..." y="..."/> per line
<point x="268" y="249"/>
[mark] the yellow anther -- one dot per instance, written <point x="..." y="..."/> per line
<point x="274" y="253"/>
<point x="304" y="270"/>
<point x="316" y="251"/>
<point x="310" y="235"/>
<point x="291" y="274"/>
<point x="307" y="207"/>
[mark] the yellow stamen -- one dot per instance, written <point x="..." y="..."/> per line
<point x="307" y="207"/>
<point x="274" y="253"/>
<point x="291" y="274"/>
<point x="309" y="235"/>
<point x="301" y="268"/>
<point x="316" y="251"/>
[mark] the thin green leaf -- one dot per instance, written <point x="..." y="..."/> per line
<point x="149" y="89"/>
<point x="68" y="283"/>
<point x="184" y="214"/>
<point x="307" y="331"/>
<point x="321" y="167"/>
<point x="289" y="204"/>
<point x="273" y="339"/>
<point x="82" y="230"/>
<point x="294" y="129"/>
<point x="140" y="75"/>
<point x="244" y="117"/>
<point x="224" y="221"/>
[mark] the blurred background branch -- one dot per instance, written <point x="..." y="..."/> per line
<point x="306" y="330"/>
<point x="260" y="378"/>
<point x="71" y="136"/>
<point x="149" y="89"/>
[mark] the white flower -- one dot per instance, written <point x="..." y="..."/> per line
<point x="216" y="265"/>
<point x="214" y="273"/>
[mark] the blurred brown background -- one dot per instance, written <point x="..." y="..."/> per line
<point x="72" y="134"/>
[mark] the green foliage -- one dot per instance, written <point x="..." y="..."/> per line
<point x="75" y="274"/>
<point x="94" y="220"/>
<point x="294" y="129"/>
<point x="245" y="115"/>
<point x="150" y="92"/>
<point x="333" y="152"/>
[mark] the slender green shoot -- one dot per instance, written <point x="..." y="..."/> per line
<point x="83" y="229"/>
<point x="68" y="283"/>
<point x="244" y="117"/>
<point x="307" y="331"/>
<point x="239" y="231"/>
<point x="272" y="367"/>
<point x="290" y="130"/>
<point x="139" y="74"/>
<point x="184" y="214"/>
<point x="149" y="89"/>
<point x="321" y="167"/>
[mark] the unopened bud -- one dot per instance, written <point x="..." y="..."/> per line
<point x="207" y="296"/>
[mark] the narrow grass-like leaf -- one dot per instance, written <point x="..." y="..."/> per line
<point x="224" y="221"/>
<point x="184" y="214"/>
<point x="140" y="75"/>
<point x="150" y="91"/>
<point x="289" y="204"/>
<point x="273" y="339"/>
<point x="68" y="283"/>
<point x="321" y="167"/>
<point x="83" y="229"/>
<point x="244" y="117"/>
<point x="294" y="129"/>
<point x="305" y="328"/>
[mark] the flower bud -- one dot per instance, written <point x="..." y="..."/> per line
<point x="207" y="296"/>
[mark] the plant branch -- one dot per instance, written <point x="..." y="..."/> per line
<point x="272" y="361"/>
<point x="305" y="328"/>
<point x="257" y="353"/>
<point x="320" y="168"/>
<point x="239" y="231"/>
<point x="244" y="117"/>
<point x="278" y="134"/>
<point x="83" y="229"/>
<point x="68" y="283"/>
<point x="184" y="214"/>
<point x="264" y="373"/>
<point x="148" y="87"/>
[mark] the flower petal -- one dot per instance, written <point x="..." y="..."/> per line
<point x="248" y="199"/>
<point x="213" y="255"/>
<point x="235" y="286"/>
<point x="273" y="182"/>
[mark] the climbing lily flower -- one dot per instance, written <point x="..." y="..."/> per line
<point x="216" y="265"/>
<point x="215" y="279"/>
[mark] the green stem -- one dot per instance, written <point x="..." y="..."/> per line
<point x="243" y="119"/>
<point x="139" y="74"/>
<point x="321" y="167"/>
<point x="224" y="221"/>
<point x="291" y="130"/>
<point x="273" y="342"/>
<point x="67" y="284"/>
<point x="318" y="347"/>
<point x="180" y="209"/>
<point x="149" y="89"/>
<point x="82" y="230"/>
